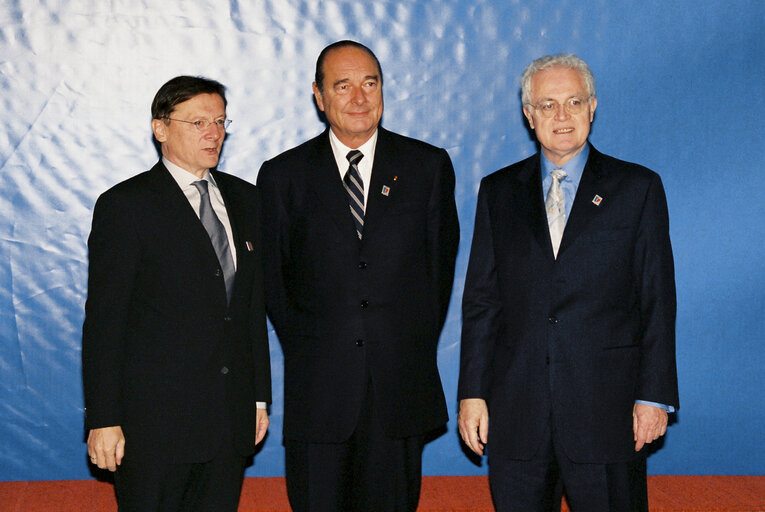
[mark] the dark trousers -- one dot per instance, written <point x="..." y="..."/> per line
<point x="153" y="485"/>
<point x="530" y="485"/>
<point x="367" y="473"/>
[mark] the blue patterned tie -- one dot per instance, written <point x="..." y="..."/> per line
<point x="355" y="188"/>
<point x="217" y="232"/>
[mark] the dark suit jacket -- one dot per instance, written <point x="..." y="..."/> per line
<point x="163" y="355"/>
<point x="347" y="310"/>
<point x="579" y="339"/>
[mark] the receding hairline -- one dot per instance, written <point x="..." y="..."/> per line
<point x="558" y="61"/>
<point x="339" y="45"/>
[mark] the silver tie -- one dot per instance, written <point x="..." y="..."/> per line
<point x="555" y="205"/>
<point x="217" y="232"/>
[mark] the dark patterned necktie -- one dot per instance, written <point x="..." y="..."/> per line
<point x="355" y="188"/>
<point x="217" y="232"/>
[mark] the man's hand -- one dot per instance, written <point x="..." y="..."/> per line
<point x="648" y="423"/>
<point x="261" y="425"/>
<point x="106" y="447"/>
<point x="473" y="421"/>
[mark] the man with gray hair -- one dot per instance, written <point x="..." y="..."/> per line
<point x="568" y="338"/>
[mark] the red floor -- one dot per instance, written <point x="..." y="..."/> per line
<point x="439" y="494"/>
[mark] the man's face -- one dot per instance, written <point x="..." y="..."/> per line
<point x="186" y="146"/>
<point x="562" y="135"/>
<point x="352" y="98"/>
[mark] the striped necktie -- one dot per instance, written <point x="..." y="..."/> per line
<point x="355" y="188"/>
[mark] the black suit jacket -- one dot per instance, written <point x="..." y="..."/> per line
<point x="580" y="338"/>
<point x="164" y="356"/>
<point x="347" y="310"/>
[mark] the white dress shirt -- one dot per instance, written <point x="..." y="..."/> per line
<point x="367" y="149"/>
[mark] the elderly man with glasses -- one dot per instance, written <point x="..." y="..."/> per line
<point x="568" y="340"/>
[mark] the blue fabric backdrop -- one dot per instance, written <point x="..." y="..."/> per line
<point x="680" y="90"/>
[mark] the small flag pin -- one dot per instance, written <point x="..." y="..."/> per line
<point x="249" y="246"/>
<point x="385" y="190"/>
<point x="596" y="200"/>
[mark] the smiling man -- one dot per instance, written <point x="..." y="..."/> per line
<point x="361" y="238"/>
<point x="568" y="339"/>
<point x="176" y="369"/>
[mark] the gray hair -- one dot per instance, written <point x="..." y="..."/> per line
<point x="564" y="60"/>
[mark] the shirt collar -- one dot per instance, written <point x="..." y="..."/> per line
<point x="183" y="177"/>
<point x="340" y="150"/>
<point x="574" y="167"/>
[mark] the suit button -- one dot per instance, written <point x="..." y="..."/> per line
<point x="227" y="318"/>
<point x="218" y="272"/>
<point x="359" y="343"/>
<point x="224" y="370"/>
<point x="364" y="304"/>
<point x="547" y="360"/>
<point x="552" y="320"/>
<point x="362" y="265"/>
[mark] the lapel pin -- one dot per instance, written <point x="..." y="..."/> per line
<point x="249" y="246"/>
<point x="386" y="190"/>
<point x="395" y="178"/>
<point x="597" y="200"/>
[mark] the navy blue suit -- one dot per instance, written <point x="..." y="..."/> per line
<point x="568" y="345"/>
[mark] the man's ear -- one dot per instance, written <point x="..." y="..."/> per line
<point x="530" y="119"/>
<point x="317" y="96"/>
<point x="159" y="128"/>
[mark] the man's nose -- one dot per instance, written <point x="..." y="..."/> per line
<point x="215" y="132"/>
<point x="561" y="112"/>
<point x="357" y="95"/>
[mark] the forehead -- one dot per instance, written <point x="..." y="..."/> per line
<point x="343" y="62"/>
<point x="202" y="103"/>
<point x="557" y="82"/>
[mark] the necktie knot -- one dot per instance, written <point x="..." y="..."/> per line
<point x="354" y="156"/>
<point x="201" y="186"/>
<point x="558" y="174"/>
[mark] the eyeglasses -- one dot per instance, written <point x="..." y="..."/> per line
<point x="572" y="106"/>
<point x="203" y="124"/>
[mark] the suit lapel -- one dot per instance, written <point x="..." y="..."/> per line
<point x="185" y="220"/>
<point x="584" y="209"/>
<point x="532" y="203"/>
<point x="328" y="187"/>
<point x="177" y="206"/>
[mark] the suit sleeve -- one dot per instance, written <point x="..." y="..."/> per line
<point x="259" y="333"/>
<point x="481" y="307"/>
<point x="276" y="243"/>
<point x="443" y="234"/>
<point x="658" y="371"/>
<point x="113" y="254"/>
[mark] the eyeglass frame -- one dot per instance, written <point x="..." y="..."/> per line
<point x="548" y="114"/>
<point x="203" y="124"/>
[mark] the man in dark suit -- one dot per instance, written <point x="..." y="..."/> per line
<point x="175" y="349"/>
<point x="361" y="238"/>
<point x="568" y="343"/>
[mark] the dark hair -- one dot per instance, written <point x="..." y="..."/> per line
<point x="319" y="77"/>
<point x="182" y="88"/>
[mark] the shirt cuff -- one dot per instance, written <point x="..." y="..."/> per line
<point x="260" y="405"/>
<point x="668" y="408"/>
